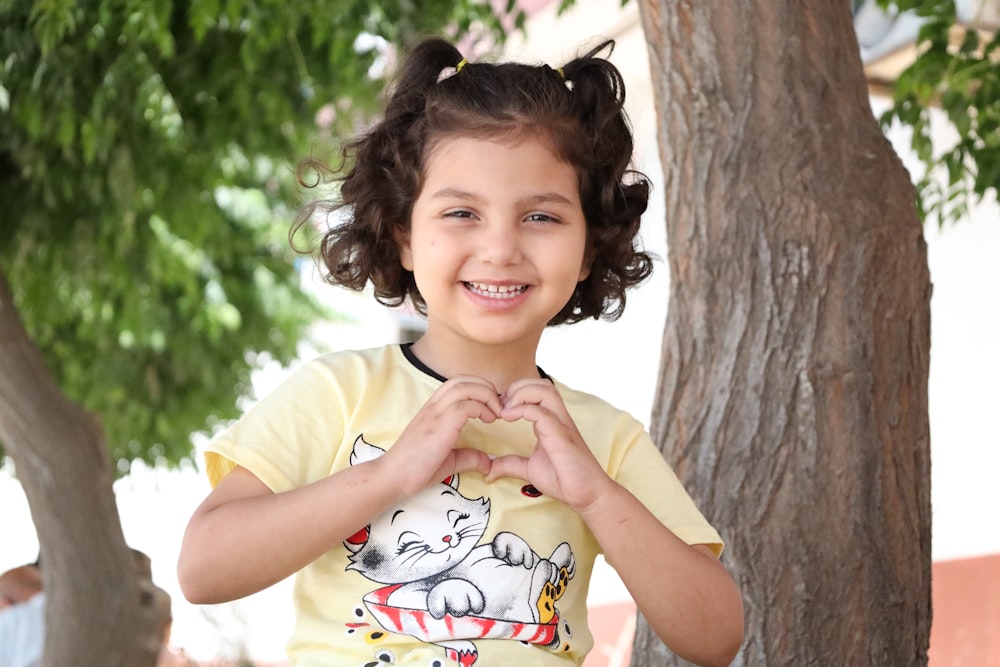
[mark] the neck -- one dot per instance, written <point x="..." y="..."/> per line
<point x="499" y="364"/>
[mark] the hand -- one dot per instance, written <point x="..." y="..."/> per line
<point x="425" y="452"/>
<point x="561" y="465"/>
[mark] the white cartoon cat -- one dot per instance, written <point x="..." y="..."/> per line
<point x="427" y="553"/>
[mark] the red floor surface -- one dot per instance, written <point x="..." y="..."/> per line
<point x="966" y="628"/>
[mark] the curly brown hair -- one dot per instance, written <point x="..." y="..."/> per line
<point x="577" y="109"/>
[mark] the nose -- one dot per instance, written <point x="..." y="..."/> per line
<point x="500" y="244"/>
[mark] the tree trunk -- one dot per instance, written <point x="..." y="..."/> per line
<point x="793" y="390"/>
<point x="101" y="609"/>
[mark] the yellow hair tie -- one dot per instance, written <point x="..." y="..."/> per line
<point x="449" y="72"/>
<point x="559" y="69"/>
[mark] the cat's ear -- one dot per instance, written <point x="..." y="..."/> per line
<point x="451" y="480"/>
<point x="358" y="540"/>
<point x="364" y="452"/>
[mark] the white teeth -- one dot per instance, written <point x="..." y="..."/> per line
<point x="497" y="291"/>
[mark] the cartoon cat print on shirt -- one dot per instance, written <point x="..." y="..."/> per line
<point x="443" y="587"/>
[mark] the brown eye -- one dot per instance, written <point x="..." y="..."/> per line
<point x="541" y="217"/>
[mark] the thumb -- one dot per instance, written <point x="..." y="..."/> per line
<point x="465" y="459"/>
<point x="508" y="466"/>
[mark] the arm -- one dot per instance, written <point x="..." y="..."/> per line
<point x="685" y="593"/>
<point x="244" y="538"/>
<point x="688" y="598"/>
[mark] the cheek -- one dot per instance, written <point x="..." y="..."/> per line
<point x="427" y="249"/>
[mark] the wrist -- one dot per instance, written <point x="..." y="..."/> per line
<point x="606" y="497"/>
<point x="391" y="480"/>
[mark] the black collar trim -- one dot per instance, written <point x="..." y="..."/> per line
<point x="407" y="351"/>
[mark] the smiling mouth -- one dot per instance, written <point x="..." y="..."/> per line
<point x="496" y="291"/>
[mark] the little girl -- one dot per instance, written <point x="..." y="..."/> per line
<point x="443" y="503"/>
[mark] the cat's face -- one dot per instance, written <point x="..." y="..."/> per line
<point x="428" y="534"/>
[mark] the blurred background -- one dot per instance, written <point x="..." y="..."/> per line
<point x="155" y="501"/>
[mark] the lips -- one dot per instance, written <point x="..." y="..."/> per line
<point x="496" y="291"/>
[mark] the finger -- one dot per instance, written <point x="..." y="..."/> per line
<point x="510" y="465"/>
<point x="468" y="381"/>
<point x="547" y="427"/>
<point x="529" y="383"/>
<point x="465" y="459"/>
<point x="469" y="408"/>
<point x="468" y="387"/>
<point x="537" y="414"/>
<point x="535" y="392"/>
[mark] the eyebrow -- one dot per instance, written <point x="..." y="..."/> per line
<point x="539" y="198"/>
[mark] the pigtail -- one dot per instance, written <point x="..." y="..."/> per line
<point x="597" y="86"/>
<point x="614" y="195"/>
<point x="407" y="95"/>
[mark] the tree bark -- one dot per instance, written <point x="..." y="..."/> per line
<point x="101" y="605"/>
<point x="793" y="387"/>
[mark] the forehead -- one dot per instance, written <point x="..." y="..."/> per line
<point x="522" y="161"/>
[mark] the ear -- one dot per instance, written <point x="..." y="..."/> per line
<point x="363" y="451"/>
<point x="588" y="260"/>
<point x="402" y="237"/>
<point x="358" y="540"/>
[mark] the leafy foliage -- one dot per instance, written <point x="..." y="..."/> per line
<point x="959" y="72"/>
<point x="145" y="169"/>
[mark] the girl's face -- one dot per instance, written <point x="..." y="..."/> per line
<point x="497" y="241"/>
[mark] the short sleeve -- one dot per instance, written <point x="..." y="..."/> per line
<point x="290" y="437"/>
<point x="642" y="469"/>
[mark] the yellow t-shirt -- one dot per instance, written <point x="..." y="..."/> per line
<point x="463" y="572"/>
